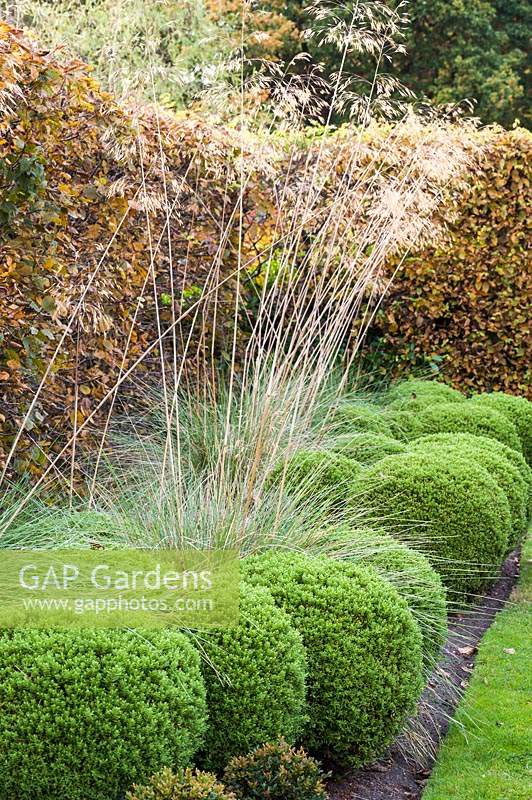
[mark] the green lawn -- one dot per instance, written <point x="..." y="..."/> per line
<point x="490" y="758"/>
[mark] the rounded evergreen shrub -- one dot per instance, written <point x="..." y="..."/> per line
<point x="319" y="475"/>
<point x="517" y="409"/>
<point x="358" y="418"/>
<point x="186" y="784"/>
<point x="411" y="574"/>
<point x="87" y="713"/>
<point x="453" y="508"/>
<point x="414" y="404"/>
<point x="366" y="448"/>
<point x="468" y="418"/>
<point x="275" y="771"/>
<point x="255" y="677"/>
<point x="416" y="389"/>
<point x="402" y="423"/>
<point x="363" y="648"/>
<point x="484" y="452"/>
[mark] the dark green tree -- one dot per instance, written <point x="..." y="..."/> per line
<point x="456" y="50"/>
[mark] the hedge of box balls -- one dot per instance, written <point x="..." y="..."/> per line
<point x="320" y="475"/>
<point x="518" y="410"/>
<point x="454" y="508"/>
<point x="358" y="418"/>
<point x="363" y="648"/>
<point x="412" y="576"/>
<point x="366" y="448"/>
<point x="482" y="450"/>
<point x="84" y="714"/>
<point x="255" y="677"/>
<point x="417" y="388"/>
<point x="468" y="418"/>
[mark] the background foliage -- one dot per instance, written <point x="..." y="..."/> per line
<point x="455" y="50"/>
<point x="464" y="305"/>
<point x="166" y="50"/>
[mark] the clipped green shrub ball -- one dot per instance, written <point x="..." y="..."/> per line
<point x="453" y="508"/>
<point x="366" y="448"/>
<point x="468" y="418"/>
<point x="318" y="475"/>
<point x="185" y="784"/>
<point x="255" y="677"/>
<point x="485" y="452"/>
<point x="518" y="410"/>
<point x="363" y="647"/>
<point x="411" y="574"/>
<point x="417" y="389"/>
<point x="275" y="771"/>
<point x="87" y="713"/>
<point x="358" y="418"/>
<point x="403" y="424"/>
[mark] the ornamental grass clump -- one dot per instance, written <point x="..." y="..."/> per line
<point x="275" y="771"/>
<point x="468" y="418"/>
<point x="366" y="448"/>
<point x="255" y="677"/>
<point x="516" y="409"/>
<point x="409" y="572"/>
<point x="87" y="713"/>
<point x="484" y="452"/>
<point x="363" y="648"/>
<point x="452" y="509"/>
<point x="320" y="475"/>
<point x="185" y="784"/>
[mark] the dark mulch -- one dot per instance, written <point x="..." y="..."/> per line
<point x="403" y="772"/>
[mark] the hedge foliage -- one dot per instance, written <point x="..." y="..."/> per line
<point x="186" y="784"/>
<point x="85" y="221"/>
<point x="464" y="303"/>
<point x="275" y="771"/>
<point x="518" y="410"/>
<point x="320" y="476"/>
<point x="468" y="418"/>
<point x="366" y="447"/>
<point x="75" y="219"/>
<point x="363" y="647"/>
<point x="506" y="474"/>
<point x="453" y="508"/>
<point x="411" y="574"/>
<point x="255" y="677"/>
<point x="87" y="713"/>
